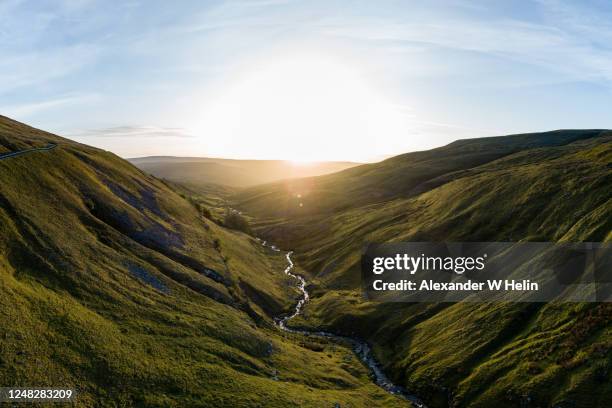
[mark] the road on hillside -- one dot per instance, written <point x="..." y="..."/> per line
<point x="26" y="151"/>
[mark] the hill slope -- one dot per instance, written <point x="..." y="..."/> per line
<point x="198" y="171"/>
<point x="112" y="283"/>
<point x="544" y="187"/>
<point x="405" y="175"/>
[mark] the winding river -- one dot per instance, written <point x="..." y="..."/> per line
<point x="360" y="347"/>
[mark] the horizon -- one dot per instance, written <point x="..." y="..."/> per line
<point x="299" y="163"/>
<point x="308" y="163"/>
<point x="292" y="162"/>
<point x="316" y="82"/>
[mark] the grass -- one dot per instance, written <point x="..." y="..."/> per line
<point x="113" y="283"/>
<point x="542" y="187"/>
<point x="402" y="176"/>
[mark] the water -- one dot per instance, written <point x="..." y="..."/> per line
<point x="361" y="348"/>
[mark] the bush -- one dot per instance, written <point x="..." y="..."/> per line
<point x="236" y="221"/>
<point x="204" y="211"/>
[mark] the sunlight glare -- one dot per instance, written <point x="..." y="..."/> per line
<point x="301" y="110"/>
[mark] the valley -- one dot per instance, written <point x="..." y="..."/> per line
<point x="141" y="291"/>
<point x="306" y="204"/>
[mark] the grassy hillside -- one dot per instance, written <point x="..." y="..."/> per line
<point x="113" y="283"/>
<point x="401" y="176"/>
<point x="544" y="187"/>
<point x="201" y="171"/>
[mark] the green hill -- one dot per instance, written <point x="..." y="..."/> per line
<point x="113" y="283"/>
<point x="554" y="186"/>
<point x="202" y="171"/>
<point x="401" y="176"/>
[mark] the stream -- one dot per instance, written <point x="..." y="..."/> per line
<point x="360" y="347"/>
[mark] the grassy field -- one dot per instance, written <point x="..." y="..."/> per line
<point x="114" y="283"/>
<point x="554" y="186"/>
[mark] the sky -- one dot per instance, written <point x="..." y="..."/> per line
<point x="303" y="80"/>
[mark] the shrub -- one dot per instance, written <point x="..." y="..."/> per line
<point x="236" y="221"/>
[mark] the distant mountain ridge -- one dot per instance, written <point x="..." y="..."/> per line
<point x="198" y="171"/>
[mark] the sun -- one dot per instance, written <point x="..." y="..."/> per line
<point x="301" y="109"/>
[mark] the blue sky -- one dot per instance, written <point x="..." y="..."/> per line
<point x="303" y="80"/>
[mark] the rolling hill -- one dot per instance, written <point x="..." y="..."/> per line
<point x="400" y="176"/>
<point x="113" y="283"/>
<point x="553" y="186"/>
<point x="199" y="171"/>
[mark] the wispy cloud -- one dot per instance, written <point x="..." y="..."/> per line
<point x="31" y="68"/>
<point x="26" y="109"/>
<point x="568" y="44"/>
<point x="133" y="131"/>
